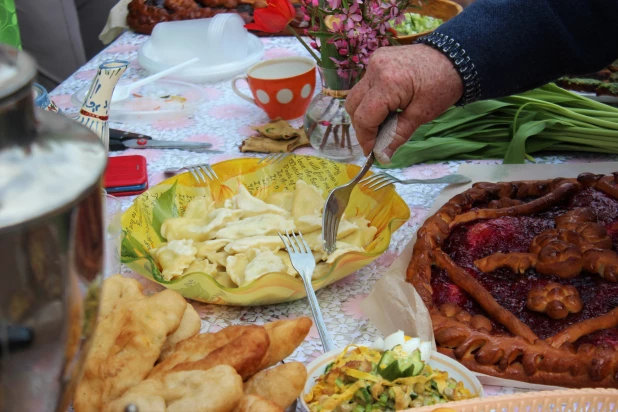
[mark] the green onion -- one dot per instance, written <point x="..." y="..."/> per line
<point x="513" y="128"/>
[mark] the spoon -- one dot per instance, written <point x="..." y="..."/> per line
<point x="123" y="91"/>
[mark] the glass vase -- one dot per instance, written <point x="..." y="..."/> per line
<point x="327" y="123"/>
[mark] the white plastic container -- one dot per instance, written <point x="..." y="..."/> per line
<point x="225" y="48"/>
<point x="221" y="39"/>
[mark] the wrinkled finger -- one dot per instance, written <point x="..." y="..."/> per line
<point x="368" y="117"/>
<point x="355" y="96"/>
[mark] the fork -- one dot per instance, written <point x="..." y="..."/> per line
<point x="201" y="172"/>
<point x="304" y="263"/>
<point x="338" y="199"/>
<point x="380" y="180"/>
<point x="274" y="158"/>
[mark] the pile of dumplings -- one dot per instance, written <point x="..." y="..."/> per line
<point x="239" y="243"/>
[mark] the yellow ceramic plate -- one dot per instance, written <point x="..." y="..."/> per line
<point x="141" y="224"/>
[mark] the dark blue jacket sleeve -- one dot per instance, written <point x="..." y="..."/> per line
<point x="517" y="45"/>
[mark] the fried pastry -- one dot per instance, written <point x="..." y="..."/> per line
<point x="216" y="390"/>
<point x="242" y="347"/>
<point x="116" y="289"/>
<point x="255" y="403"/>
<point x="285" y="336"/>
<point x="190" y="326"/>
<point x="126" y="344"/>
<point x="281" y="384"/>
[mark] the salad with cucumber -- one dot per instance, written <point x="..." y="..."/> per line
<point x="390" y="375"/>
<point x="415" y="23"/>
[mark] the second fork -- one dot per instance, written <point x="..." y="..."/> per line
<point x="201" y="172"/>
<point x="380" y="180"/>
<point x="303" y="261"/>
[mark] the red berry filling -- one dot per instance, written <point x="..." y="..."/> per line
<point x="478" y="239"/>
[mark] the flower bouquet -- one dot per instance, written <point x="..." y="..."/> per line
<point x="342" y="36"/>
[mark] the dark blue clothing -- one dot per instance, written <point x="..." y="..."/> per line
<point x="517" y="45"/>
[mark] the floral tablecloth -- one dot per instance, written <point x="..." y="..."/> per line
<point x="224" y="120"/>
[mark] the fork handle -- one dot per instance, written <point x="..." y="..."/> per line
<point x="327" y="342"/>
<point x="172" y="170"/>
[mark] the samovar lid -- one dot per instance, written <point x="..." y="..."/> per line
<point x="47" y="162"/>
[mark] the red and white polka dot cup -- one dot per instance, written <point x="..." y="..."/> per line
<point x="281" y="87"/>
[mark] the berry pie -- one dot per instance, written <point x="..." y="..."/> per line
<point x="521" y="279"/>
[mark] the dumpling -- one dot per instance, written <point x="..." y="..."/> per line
<point x="341" y="248"/>
<point x="285" y="258"/>
<point x="210" y="246"/>
<point x="307" y="200"/>
<point x="308" y="223"/>
<point x="266" y="224"/>
<point x="235" y="267"/>
<point x="346" y="228"/>
<point x="224" y="279"/>
<point x="321" y="269"/>
<point x="201" y="265"/>
<point x="314" y="240"/>
<point x="220" y="258"/>
<point x="359" y="221"/>
<point x="174" y="257"/>
<point x="273" y="243"/>
<point x="362" y="237"/>
<point x="199" y="207"/>
<point x="177" y="228"/>
<point x="252" y="206"/>
<point x="264" y="262"/>
<point x="284" y="200"/>
<point x="199" y="230"/>
<point x="219" y="218"/>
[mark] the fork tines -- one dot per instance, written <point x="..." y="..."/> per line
<point x="330" y="223"/>
<point x="293" y="244"/>
<point x="273" y="158"/>
<point x="378" y="181"/>
<point x="202" y="172"/>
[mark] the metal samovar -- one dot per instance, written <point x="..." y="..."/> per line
<point x="51" y="244"/>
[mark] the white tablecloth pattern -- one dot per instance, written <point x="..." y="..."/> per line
<point x="223" y="120"/>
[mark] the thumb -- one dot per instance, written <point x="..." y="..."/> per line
<point x="405" y="129"/>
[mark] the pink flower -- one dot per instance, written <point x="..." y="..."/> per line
<point x="348" y="280"/>
<point x="334" y="4"/>
<point x="417" y="216"/>
<point x="85" y="74"/>
<point x="352" y="307"/>
<point x="386" y="259"/>
<point x="179" y="123"/>
<point x="212" y="93"/>
<point x="121" y="48"/>
<point x="63" y="101"/>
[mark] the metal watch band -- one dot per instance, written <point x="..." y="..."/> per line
<point x="462" y="62"/>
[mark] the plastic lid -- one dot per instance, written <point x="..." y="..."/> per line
<point x="227" y="38"/>
<point x="221" y="39"/>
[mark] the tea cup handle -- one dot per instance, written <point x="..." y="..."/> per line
<point x="238" y="92"/>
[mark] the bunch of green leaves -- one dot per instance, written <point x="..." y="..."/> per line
<point x="545" y="119"/>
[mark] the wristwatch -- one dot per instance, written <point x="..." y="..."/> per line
<point x="462" y="62"/>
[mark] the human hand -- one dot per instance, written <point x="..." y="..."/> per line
<point x="417" y="79"/>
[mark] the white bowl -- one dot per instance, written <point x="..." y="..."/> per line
<point x="437" y="361"/>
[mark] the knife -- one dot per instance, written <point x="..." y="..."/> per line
<point x="121" y="140"/>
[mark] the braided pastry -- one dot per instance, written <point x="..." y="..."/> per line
<point x="521" y="279"/>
